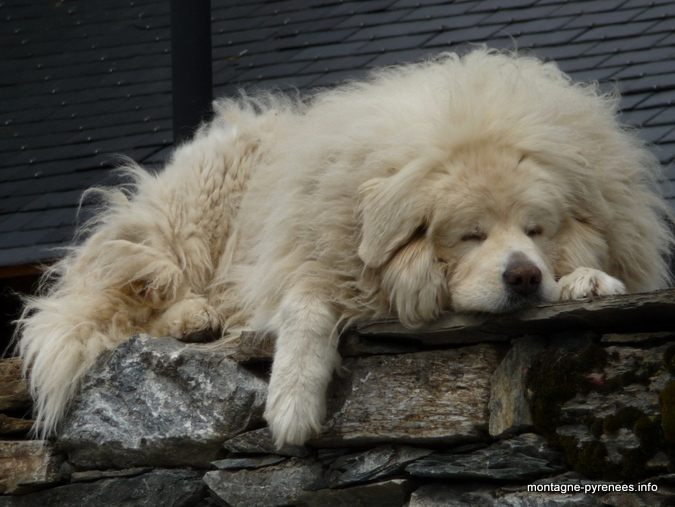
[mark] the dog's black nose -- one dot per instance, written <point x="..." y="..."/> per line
<point x="523" y="278"/>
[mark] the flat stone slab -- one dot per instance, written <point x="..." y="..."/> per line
<point x="393" y="493"/>
<point x="524" y="457"/>
<point x="644" y="312"/>
<point x="14" y="394"/>
<point x="265" y="487"/>
<point x="166" y="488"/>
<point x="27" y="465"/>
<point x="159" y="402"/>
<point x="373" y="464"/>
<point x="509" y="409"/>
<point x="260" y="442"/>
<point x="252" y="462"/>
<point x="14" y="426"/>
<point x="425" y="397"/>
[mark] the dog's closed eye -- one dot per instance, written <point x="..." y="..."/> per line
<point x="534" y="231"/>
<point x="474" y="236"/>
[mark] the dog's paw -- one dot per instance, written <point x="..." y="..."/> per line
<point x="159" y="285"/>
<point x="293" y="416"/>
<point x="186" y="317"/>
<point x="588" y="282"/>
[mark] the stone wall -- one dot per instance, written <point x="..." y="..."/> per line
<point x="469" y="411"/>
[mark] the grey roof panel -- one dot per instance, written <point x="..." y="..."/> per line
<point x="615" y="18"/>
<point x="30" y="254"/>
<point x="460" y="36"/>
<point x="82" y="81"/>
<point x="584" y="8"/>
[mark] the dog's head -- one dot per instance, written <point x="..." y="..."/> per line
<point x="479" y="229"/>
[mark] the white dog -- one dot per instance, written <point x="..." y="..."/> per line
<point x="480" y="183"/>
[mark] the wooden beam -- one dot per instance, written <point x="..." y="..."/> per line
<point x="22" y="270"/>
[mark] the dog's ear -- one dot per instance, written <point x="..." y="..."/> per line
<point x="392" y="210"/>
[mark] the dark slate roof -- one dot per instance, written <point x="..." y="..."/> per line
<point x="81" y="81"/>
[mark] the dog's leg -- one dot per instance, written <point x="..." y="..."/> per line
<point x="306" y="355"/>
<point x="588" y="282"/>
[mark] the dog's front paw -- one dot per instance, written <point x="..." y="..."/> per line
<point x="588" y="282"/>
<point x="186" y="317"/>
<point x="293" y="415"/>
<point x="159" y="285"/>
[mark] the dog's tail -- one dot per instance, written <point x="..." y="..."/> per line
<point x="60" y="342"/>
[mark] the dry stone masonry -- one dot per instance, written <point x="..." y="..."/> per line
<point x="562" y="404"/>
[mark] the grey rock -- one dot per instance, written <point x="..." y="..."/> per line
<point x="615" y="411"/>
<point x="509" y="408"/>
<point x="622" y="313"/>
<point x="329" y="455"/>
<point x="645" y="312"/>
<point x="392" y="493"/>
<point x="13" y="426"/>
<point x="375" y="464"/>
<point x="618" y="442"/>
<point x="14" y="393"/>
<point x="421" y="398"/>
<point x="168" y="488"/>
<point x="26" y="465"/>
<point x="533" y="499"/>
<point x="260" y="442"/>
<point x="253" y="462"/>
<point x="658" y="464"/>
<point x="264" y="487"/>
<point x="451" y="328"/>
<point x="658" y="491"/>
<point x="159" y="402"/>
<point x="529" y="444"/>
<point x="623" y="499"/>
<point x="95" y="475"/>
<point x="524" y="457"/>
<point x="638" y="338"/>
<point x="452" y="495"/>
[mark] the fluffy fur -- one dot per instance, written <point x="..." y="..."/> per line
<point x="480" y="183"/>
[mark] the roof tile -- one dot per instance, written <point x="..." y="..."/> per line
<point x="93" y="78"/>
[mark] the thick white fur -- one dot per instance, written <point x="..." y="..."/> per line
<point x="411" y="193"/>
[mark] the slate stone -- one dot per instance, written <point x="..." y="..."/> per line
<point x="159" y="402"/>
<point x="524" y="457"/>
<point x="95" y="475"/>
<point x="14" y="426"/>
<point x="434" y="396"/>
<point x="166" y="488"/>
<point x="252" y="462"/>
<point x="530" y="499"/>
<point x="624" y="313"/>
<point x="452" y="495"/>
<point x="638" y="338"/>
<point x="604" y="401"/>
<point x="264" y="487"/>
<point x="509" y="409"/>
<point x="26" y="465"/>
<point x="329" y="455"/>
<point x="260" y="442"/>
<point x="14" y="393"/>
<point x="392" y="493"/>
<point x="375" y="464"/>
